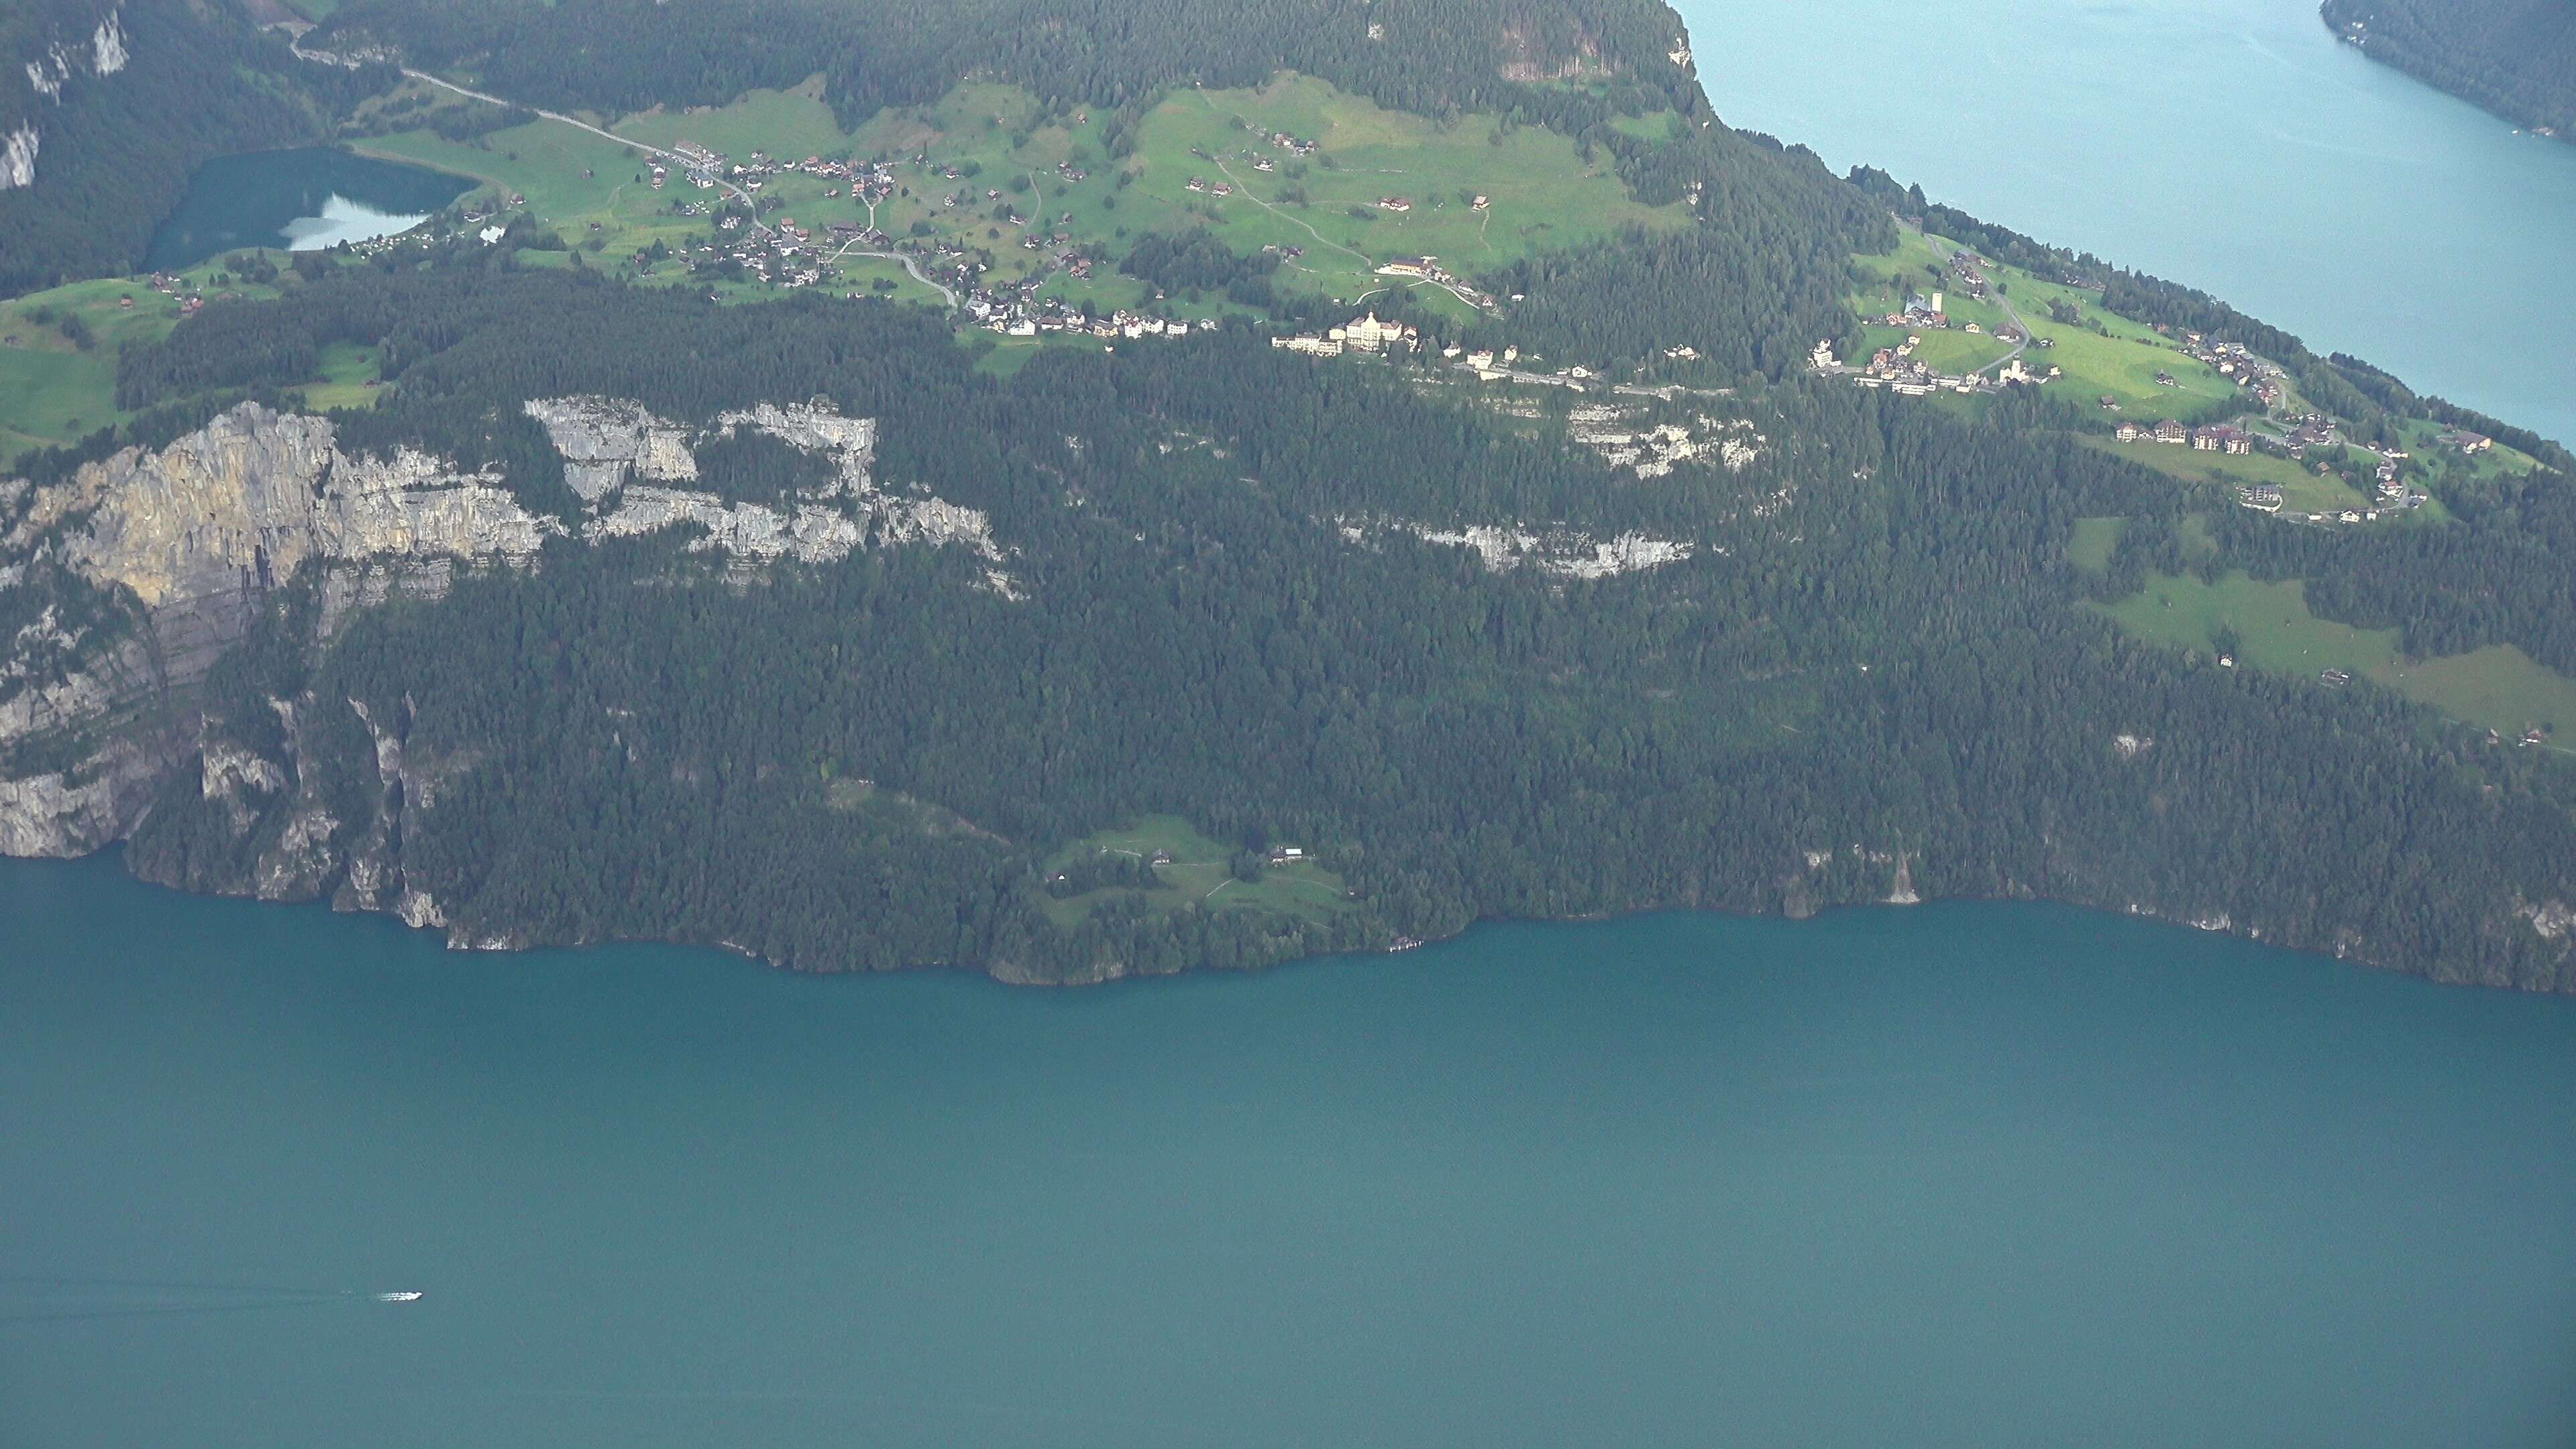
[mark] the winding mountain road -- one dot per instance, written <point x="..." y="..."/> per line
<point x="944" y="290"/>
<point x="425" y="78"/>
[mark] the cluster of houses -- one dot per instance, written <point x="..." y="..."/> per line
<point x="2312" y="430"/>
<point x="480" y="208"/>
<point x="1281" y="139"/>
<point x="2231" y="361"/>
<point x="1362" y="334"/>
<point x="168" y="286"/>
<point x="1368" y="336"/>
<point x="1899" y="371"/>
<point x="2215" y="438"/>
<point x="786" y="254"/>
<point x="1428" y="269"/>
<point x="707" y="167"/>
<point x="1488" y="365"/>
<point x="1032" y="316"/>
<point x="1920" y="312"/>
<point x="1015" y="309"/>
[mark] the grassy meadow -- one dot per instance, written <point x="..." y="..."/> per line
<point x="2091" y="547"/>
<point x="2303" y="489"/>
<point x="54" y="391"/>
<point x="2500" y="688"/>
<point x="2120" y="363"/>
<point x="1200" y="874"/>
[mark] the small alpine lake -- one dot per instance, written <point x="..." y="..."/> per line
<point x="1961" y="1175"/>
<point x="306" y="199"/>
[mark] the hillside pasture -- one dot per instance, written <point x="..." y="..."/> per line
<point x="2120" y="361"/>
<point x="2303" y="489"/>
<point x="54" y="392"/>
<point x="1543" y="195"/>
<point x="2500" y="688"/>
<point x="1199" y="874"/>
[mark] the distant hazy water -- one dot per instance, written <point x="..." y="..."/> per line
<point x="303" y="200"/>
<point x="1967" y="1175"/>
<point x="2235" y="145"/>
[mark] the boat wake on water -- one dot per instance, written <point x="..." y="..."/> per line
<point x="47" y="1298"/>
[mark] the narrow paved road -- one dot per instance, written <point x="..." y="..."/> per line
<point x="909" y="265"/>
<point x="2020" y="323"/>
<point x="736" y="192"/>
<point x="1320" y="239"/>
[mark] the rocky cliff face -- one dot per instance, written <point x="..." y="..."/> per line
<point x="171" y="555"/>
<point x="189" y="540"/>
<point x="631" y="470"/>
<point x="102" y="52"/>
<point x="255" y="495"/>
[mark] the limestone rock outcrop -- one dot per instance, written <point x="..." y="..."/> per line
<point x="177" y="550"/>
<point x="188" y="540"/>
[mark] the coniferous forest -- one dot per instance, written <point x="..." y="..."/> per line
<point x="1254" y="590"/>
<point x="2516" y="58"/>
<point x="113" y="151"/>
<point x="1871" y="675"/>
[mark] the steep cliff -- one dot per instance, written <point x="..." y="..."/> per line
<point x="177" y="548"/>
<point x="122" y="585"/>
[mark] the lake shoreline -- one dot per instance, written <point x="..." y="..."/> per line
<point x="1014" y="975"/>
<point x="250" y="200"/>
<point x="2062" y="1171"/>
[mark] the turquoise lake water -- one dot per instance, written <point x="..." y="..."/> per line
<point x="2234" y="145"/>
<point x="303" y="200"/>
<point x="1965" y="1175"/>
<point x="1960" y="1175"/>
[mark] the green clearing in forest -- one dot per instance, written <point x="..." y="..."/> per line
<point x="2500" y="687"/>
<point x="1200" y="874"/>
<point x="790" y="125"/>
<point x="343" y="378"/>
<point x="53" y="392"/>
<point x="1542" y="195"/>
<point x="2094" y="540"/>
<point x="2303" y="489"/>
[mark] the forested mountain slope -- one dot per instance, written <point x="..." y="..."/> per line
<point x="816" y="627"/>
<point x="1422" y="55"/>
<point x="2516" y="58"/>
<point x="1214" y="581"/>
<point x="106" y="106"/>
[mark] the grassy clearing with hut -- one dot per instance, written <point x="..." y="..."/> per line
<point x="348" y="376"/>
<point x="53" y="390"/>
<point x="1199" y="872"/>
<point x="2500" y="688"/>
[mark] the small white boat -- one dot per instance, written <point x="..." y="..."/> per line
<point x="398" y="1297"/>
